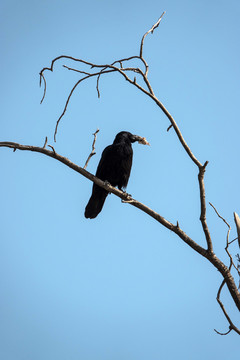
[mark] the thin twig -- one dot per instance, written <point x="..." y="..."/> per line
<point x="226" y="333"/>
<point x="45" y="143"/>
<point x="220" y="216"/>
<point x="45" y="87"/>
<point x="218" y="264"/>
<point x="151" y="30"/>
<point x="203" y="219"/>
<point x="230" y="242"/>
<point x="93" y="149"/>
<point x="52" y="149"/>
<point x="231" y="325"/>
<point x="76" y="70"/>
<point x="227" y="241"/>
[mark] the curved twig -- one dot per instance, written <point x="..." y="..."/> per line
<point x="231" y="325"/>
<point x="226" y="333"/>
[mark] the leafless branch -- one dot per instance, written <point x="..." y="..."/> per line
<point x="112" y="69"/>
<point x="229" y="227"/>
<point x="151" y="30"/>
<point x="233" y="240"/>
<point x="92" y="66"/>
<point x="45" y="143"/>
<point x="124" y="196"/>
<point x="45" y="87"/>
<point x="147" y="91"/>
<point x="54" y="152"/>
<point x="203" y="220"/>
<point x="226" y="333"/>
<point x="231" y="325"/>
<point x="119" y="193"/>
<point x="76" y="70"/>
<point x="227" y="241"/>
<point x="93" y="149"/>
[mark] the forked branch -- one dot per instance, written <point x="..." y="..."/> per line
<point x="231" y="325"/>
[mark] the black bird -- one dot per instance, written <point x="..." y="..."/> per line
<point x="114" y="167"/>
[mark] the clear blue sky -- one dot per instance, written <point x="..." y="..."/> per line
<point x="119" y="287"/>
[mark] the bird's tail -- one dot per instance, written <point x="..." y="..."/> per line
<point x="96" y="202"/>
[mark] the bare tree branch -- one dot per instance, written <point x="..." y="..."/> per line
<point x="220" y="266"/>
<point x="151" y="30"/>
<point x="227" y="241"/>
<point x="231" y="325"/>
<point x="226" y="333"/>
<point x="203" y="220"/>
<point x="115" y="191"/>
<point x="93" y="149"/>
<point x="54" y="152"/>
<point x="112" y="69"/>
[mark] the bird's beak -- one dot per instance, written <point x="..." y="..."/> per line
<point x="141" y="140"/>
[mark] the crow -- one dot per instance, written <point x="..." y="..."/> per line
<point x="114" y="167"/>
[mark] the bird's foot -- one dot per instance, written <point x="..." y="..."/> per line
<point x="128" y="200"/>
<point x="126" y="194"/>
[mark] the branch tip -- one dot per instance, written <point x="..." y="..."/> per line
<point x="150" y="31"/>
<point x="226" y="333"/>
<point x="45" y="143"/>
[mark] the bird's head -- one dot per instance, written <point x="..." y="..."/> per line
<point x="128" y="137"/>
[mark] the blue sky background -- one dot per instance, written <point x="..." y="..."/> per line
<point x="121" y="286"/>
